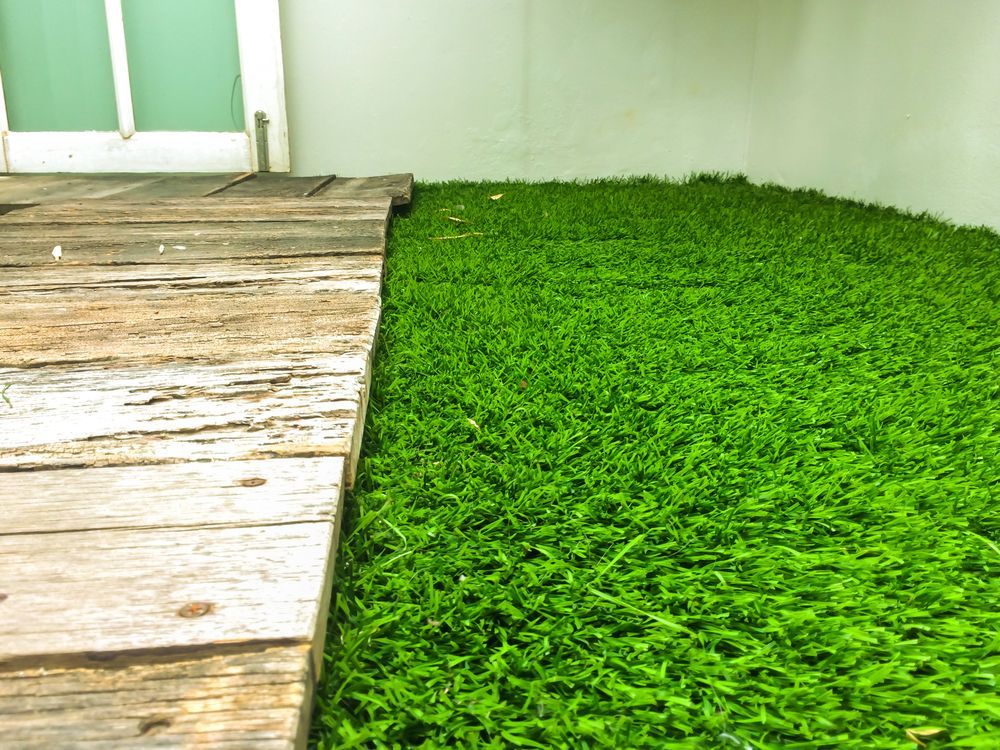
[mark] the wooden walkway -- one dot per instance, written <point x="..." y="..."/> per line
<point x="186" y="380"/>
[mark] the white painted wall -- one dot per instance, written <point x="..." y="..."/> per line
<point x="532" y="89"/>
<point x="896" y="101"/>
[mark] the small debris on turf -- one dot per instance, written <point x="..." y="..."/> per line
<point x="731" y="740"/>
<point x="926" y="736"/>
<point x="458" y="236"/>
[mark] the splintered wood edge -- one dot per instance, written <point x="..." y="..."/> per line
<point x="404" y="199"/>
<point x="357" y="440"/>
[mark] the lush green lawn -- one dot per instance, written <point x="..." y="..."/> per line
<point x="679" y="466"/>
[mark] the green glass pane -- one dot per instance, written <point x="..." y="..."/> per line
<point x="184" y="64"/>
<point x="56" y="66"/>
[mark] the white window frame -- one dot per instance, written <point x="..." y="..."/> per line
<point x="258" y="33"/>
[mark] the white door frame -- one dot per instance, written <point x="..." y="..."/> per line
<point x="258" y="35"/>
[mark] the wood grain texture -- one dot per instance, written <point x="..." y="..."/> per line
<point x="229" y="493"/>
<point x="221" y="209"/>
<point x="55" y="188"/>
<point x="276" y="185"/>
<point x="180" y="412"/>
<point x="181" y="430"/>
<point x="398" y="187"/>
<point x="182" y="186"/>
<point x="139" y="244"/>
<point x="128" y="590"/>
<point x="353" y="272"/>
<point x="83" y="327"/>
<point x="252" y="699"/>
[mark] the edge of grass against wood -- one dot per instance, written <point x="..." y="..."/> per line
<point x="673" y="465"/>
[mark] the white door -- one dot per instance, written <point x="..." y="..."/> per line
<point x="141" y="86"/>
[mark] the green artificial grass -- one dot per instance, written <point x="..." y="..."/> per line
<point x="700" y="465"/>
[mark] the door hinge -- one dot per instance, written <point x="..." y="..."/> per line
<point x="260" y="131"/>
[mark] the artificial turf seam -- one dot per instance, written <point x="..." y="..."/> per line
<point x="674" y="465"/>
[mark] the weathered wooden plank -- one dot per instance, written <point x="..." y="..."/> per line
<point x="263" y="212"/>
<point x="276" y="185"/>
<point x="154" y="310"/>
<point x="182" y="186"/>
<point x="81" y="326"/>
<point x="242" y="357"/>
<point x="201" y="210"/>
<point x="109" y="592"/>
<point x="356" y="273"/>
<point x="239" y="341"/>
<point x="51" y="188"/>
<point x="258" y="698"/>
<point x="169" y="413"/>
<point x="228" y="493"/>
<point x="202" y="242"/>
<point x="90" y="402"/>
<point x="398" y="187"/>
<point x="334" y="435"/>
<point x="88" y="207"/>
<point x="13" y="235"/>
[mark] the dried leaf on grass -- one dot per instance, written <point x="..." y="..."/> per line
<point x="458" y="236"/>
<point x="926" y="736"/>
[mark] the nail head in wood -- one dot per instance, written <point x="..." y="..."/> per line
<point x="195" y="609"/>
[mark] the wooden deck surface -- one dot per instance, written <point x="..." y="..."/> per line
<point x="187" y="383"/>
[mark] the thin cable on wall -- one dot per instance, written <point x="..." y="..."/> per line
<point x="237" y="125"/>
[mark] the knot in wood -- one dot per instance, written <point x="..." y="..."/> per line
<point x="150" y="725"/>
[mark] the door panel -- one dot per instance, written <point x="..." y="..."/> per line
<point x="199" y="89"/>
<point x="56" y="65"/>
<point x="141" y="86"/>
